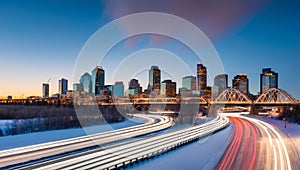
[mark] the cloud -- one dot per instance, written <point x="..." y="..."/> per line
<point x="215" y="18"/>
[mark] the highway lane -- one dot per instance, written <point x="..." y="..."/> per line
<point x="132" y="151"/>
<point x="258" y="145"/>
<point x="33" y="152"/>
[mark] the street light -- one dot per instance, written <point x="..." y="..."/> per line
<point x="291" y="109"/>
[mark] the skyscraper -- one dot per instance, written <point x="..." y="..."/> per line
<point x="268" y="79"/>
<point x="221" y="83"/>
<point x="86" y="82"/>
<point x="168" y="88"/>
<point x="77" y="87"/>
<point x="62" y="86"/>
<point x="118" y="89"/>
<point x="134" y="87"/>
<point x="189" y="82"/>
<point x="241" y="83"/>
<point x="45" y="90"/>
<point x="154" y="79"/>
<point x="201" y="78"/>
<point x="97" y="80"/>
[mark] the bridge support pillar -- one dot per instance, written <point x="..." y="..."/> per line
<point x="212" y="110"/>
<point x="253" y="110"/>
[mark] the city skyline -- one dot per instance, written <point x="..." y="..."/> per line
<point x="268" y="79"/>
<point x="40" y="49"/>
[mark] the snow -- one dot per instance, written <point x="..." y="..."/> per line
<point x="9" y="142"/>
<point x="203" y="154"/>
<point x="3" y="124"/>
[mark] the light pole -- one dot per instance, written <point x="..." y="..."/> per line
<point x="291" y="109"/>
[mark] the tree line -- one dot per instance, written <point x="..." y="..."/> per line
<point x="36" y="118"/>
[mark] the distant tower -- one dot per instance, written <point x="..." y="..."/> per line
<point x="45" y="90"/>
<point x="97" y="80"/>
<point x="189" y="82"/>
<point x="77" y="87"/>
<point x="118" y="89"/>
<point x="168" y="88"/>
<point x="86" y="82"/>
<point x="154" y="79"/>
<point x="134" y="87"/>
<point x="63" y="86"/>
<point x="201" y="78"/>
<point x="268" y="79"/>
<point x="221" y="83"/>
<point x="241" y="83"/>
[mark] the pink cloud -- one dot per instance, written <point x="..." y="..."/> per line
<point x="215" y="18"/>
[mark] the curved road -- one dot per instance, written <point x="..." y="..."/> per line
<point x="122" y="154"/>
<point x="34" y="152"/>
<point x="258" y="145"/>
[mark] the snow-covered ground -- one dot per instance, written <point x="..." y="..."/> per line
<point x="8" y="142"/>
<point x="292" y="130"/>
<point x="203" y="154"/>
<point x="4" y="123"/>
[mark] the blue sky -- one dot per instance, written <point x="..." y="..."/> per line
<point x="42" y="39"/>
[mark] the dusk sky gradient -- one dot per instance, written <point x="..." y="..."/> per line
<point x="42" y="39"/>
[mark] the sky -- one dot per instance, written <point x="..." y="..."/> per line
<point x="41" y="40"/>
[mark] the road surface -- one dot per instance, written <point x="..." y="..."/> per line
<point x="258" y="145"/>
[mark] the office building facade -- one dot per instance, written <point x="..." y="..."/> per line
<point x="98" y="78"/>
<point x="118" y="89"/>
<point x="201" y="78"/>
<point x="86" y="82"/>
<point x="189" y="82"/>
<point x="45" y="90"/>
<point x="134" y="87"/>
<point x="63" y="86"/>
<point x="168" y="88"/>
<point x="268" y="79"/>
<point x="220" y="83"/>
<point x="241" y="83"/>
<point x="154" y="79"/>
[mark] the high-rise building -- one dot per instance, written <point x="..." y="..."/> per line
<point x="45" y="90"/>
<point x="77" y="87"/>
<point x="268" y="79"/>
<point x="109" y="87"/>
<point x="241" y="83"/>
<point x="201" y="78"/>
<point x="63" y="86"/>
<point x="97" y="80"/>
<point x="118" y="89"/>
<point x="220" y="83"/>
<point x="168" y="88"/>
<point x="107" y="90"/>
<point x="189" y="82"/>
<point x="134" y="87"/>
<point x="86" y="82"/>
<point x="207" y="92"/>
<point x="154" y="79"/>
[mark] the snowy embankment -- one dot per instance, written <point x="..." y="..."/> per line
<point x="9" y="142"/>
<point x="292" y="130"/>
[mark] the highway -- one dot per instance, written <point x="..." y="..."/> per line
<point x="122" y="154"/>
<point x="258" y="145"/>
<point x="34" y="152"/>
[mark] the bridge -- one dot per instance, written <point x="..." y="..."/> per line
<point x="230" y="96"/>
<point x="271" y="97"/>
